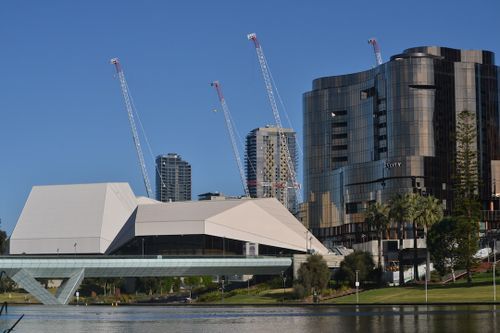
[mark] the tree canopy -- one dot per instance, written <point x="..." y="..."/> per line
<point x="314" y="274"/>
<point x="443" y="242"/>
<point x="356" y="261"/>
<point x="377" y="218"/>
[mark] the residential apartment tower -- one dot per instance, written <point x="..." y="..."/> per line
<point x="173" y="178"/>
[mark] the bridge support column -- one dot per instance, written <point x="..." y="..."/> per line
<point x="24" y="279"/>
<point x="68" y="287"/>
<point x="63" y="295"/>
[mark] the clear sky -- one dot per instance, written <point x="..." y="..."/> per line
<point x="62" y="116"/>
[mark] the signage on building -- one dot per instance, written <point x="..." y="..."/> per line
<point x="390" y="165"/>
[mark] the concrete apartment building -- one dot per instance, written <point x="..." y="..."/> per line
<point x="173" y="178"/>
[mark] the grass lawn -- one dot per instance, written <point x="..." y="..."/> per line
<point x="16" y="297"/>
<point x="480" y="291"/>
<point x="242" y="296"/>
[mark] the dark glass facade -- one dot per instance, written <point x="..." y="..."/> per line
<point x="196" y="245"/>
<point x="173" y="178"/>
<point x="388" y="130"/>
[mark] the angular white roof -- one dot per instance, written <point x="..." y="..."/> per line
<point x="55" y="218"/>
<point x="264" y="221"/>
<point x="99" y="218"/>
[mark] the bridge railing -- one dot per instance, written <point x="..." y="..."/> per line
<point x="100" y="256"/>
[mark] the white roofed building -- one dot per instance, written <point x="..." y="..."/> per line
<point x="108" y="219"/>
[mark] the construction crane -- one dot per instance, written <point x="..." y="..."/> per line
<point x="376" y="49"/>
<point x="230" y="129"/>
<point x="292" y="176"/>
<point x="135" y="136"/>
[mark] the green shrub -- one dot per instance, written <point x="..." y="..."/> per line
<point x="314" y="274"/>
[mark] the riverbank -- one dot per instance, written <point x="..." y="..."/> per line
<point x="481" y="292"/>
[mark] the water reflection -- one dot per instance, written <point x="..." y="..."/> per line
<point x="254" y="319"/>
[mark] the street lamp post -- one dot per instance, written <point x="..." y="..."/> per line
<point x="307" y="235"/>
<point x="357" y="286"/>
<point x="426" y="296"/>
<point x="494" y="270"/>
<point x="283" y="276"/>
<point x="75" y="247"/>
<point x="222" y="289"/>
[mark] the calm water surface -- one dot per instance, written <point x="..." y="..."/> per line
<point x="253" y="319"/>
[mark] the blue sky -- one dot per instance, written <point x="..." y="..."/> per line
<point x="62" y="115"/>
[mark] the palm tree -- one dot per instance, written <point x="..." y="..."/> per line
<point x="377" y="218"/>
<point x="429" y="211"/>
<point x="397" y="215"/>
<point x="403" y="209"/>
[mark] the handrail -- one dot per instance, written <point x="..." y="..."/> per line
<point x="104" y="257"/>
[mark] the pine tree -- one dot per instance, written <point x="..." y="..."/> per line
<point x="467" y="208"/>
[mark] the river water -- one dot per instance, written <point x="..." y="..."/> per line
<point x="277" y="319"/>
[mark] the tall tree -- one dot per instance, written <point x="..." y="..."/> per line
<point x="397" y="215"/>
<point x="467" y="208"/>
<point x="466" y="163"/>
<point x="429" y="211"/>
<point x="3" y="240"/>
<point x="403" y="209"/>
<point x="377" y="218"/>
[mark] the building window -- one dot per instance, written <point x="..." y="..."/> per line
<point x="366" y="93"/>
<point x="339" y="147"/>
<point x="422" y="86"/>
<point x="340" y="124"/>
<point x="353" y="207"/>
<point x="339" y="159"/>
<point x="339" y="113"/>
<point x="339" y="136"/>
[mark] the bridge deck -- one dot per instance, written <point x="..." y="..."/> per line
<point x="25" y="270"/>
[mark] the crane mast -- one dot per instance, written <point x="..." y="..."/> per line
<point x="376" y="50"/>
<point x="135" y="136"/>
<point x="230" y="129"/>
<point x="292" y="177"/>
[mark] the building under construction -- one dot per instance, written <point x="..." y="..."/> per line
<point x="266" y="165"/>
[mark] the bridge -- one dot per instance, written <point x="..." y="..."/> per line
<point x="73" y="269"/>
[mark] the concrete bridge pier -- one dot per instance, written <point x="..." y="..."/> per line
<point x="25" y="280"/>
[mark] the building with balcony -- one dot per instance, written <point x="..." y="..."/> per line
<point x="267" y="166"/>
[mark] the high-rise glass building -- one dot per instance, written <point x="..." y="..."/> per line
<point x="173" y="178"/>
<point x="391" y="129"/>
<point x="266" y="165"/>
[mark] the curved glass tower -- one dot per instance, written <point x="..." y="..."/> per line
<point x="388" y="130"/>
